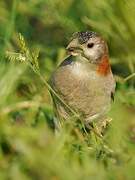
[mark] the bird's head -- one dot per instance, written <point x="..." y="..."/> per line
<point x="89" y="45"/>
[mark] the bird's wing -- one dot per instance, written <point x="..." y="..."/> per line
<point x="113" y="89"/>
<point x="60" y="111"/>
<point x="112" y="95"/>
<point x="56" y="112"/>
<point x="59" y="108"/>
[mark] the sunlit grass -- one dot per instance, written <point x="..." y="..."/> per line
<point x="29" y="148"/>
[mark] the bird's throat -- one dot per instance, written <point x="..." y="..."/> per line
<point x="104" y="66"/>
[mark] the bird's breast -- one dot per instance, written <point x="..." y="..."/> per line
<point x="82" y="88"/>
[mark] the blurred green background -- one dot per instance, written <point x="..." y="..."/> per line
<point x="28" y="147"/>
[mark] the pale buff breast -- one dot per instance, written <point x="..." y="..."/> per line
<point x="82" y="88"/>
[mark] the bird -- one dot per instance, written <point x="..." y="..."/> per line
<point x="84" y="80"/>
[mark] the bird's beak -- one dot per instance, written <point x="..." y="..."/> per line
<point x="74" y="48"/>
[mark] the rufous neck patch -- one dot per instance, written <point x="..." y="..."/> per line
<point x="104" y="66"/>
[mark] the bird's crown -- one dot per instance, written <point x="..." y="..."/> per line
<point x="83" y="37"/>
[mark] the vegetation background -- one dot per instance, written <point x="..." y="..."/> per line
<point x="29" y="149"/>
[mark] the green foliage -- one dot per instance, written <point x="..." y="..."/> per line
<point x="29" y="149"/>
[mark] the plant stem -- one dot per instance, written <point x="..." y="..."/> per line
<point x="129" y="77"/>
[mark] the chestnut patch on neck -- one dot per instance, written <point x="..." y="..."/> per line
<point x="104" y="66"/>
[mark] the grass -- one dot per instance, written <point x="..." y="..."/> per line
<point x="29" y="149"/>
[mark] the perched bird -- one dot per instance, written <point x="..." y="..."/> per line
<point x="84" y="80"/>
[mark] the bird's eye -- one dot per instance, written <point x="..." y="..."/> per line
<point x="90" y="45"/>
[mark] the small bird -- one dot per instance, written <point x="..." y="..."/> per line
<point x="84" y="80"/>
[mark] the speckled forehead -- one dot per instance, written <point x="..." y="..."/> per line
<point x="83" y="37"/>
